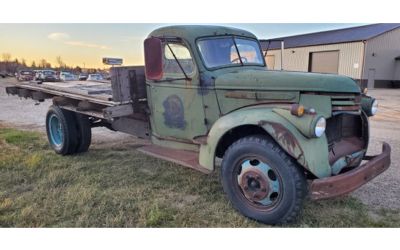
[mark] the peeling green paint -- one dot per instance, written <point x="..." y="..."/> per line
<point x="310" y="153"/>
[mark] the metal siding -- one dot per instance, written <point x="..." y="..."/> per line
<point x="386" y="48"/>
<point x="350" y="55"/>
<point x="270" y="59"/>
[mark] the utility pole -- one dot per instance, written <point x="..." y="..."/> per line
<point x="282" y="50"/>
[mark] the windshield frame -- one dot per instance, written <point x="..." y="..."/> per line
<point x="230" y="65"/>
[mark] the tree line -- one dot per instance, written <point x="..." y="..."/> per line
<point x="9" y="65"/>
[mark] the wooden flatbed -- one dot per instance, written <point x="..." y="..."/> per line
<point x="119" y="105"/>
<point x="96" y="92"/>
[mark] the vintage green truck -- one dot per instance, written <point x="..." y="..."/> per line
<point x="204" y="94"/>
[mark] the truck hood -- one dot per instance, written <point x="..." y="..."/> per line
<point x="284" y="80"/>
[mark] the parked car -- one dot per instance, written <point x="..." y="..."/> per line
<point x="95" y="77"/>
<point x="106" y="76"/>
<point x="3" y="74"/>
<point x="83" y="77"/>
<point x="25" y="75"/>
<point x="46" y="75"/>
<point x="67" y="76"/>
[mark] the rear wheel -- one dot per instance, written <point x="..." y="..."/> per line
<point x="61" y="130"/>
<point x="262" y="181"/>
<point x="84" y="132"/>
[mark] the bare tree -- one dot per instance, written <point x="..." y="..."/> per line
<point x="23" y="62"/>
<point x="42" y="63"/>
<point x="60" y="62"/>
<point x="15" y="65"/>
<point x="6" y="57"/>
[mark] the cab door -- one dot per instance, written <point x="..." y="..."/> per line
<point x="177" y="109"/>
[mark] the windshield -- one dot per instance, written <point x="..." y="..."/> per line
<point x="48" y="73"/>
<point x="230" y="51"/>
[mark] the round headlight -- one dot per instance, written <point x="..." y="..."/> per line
<point x="374" y="107"/>
<point x="320" y="127"/>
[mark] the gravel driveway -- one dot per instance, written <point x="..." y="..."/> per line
<point x="382" y="192"/>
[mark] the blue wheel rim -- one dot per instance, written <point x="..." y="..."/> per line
<point x="267" y="188"/>
<point x="56" y="131"/>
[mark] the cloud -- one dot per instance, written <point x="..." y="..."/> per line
<point x="65" y="38"/>
<point x="58" y="36"/>
<point x="87" y="45"/>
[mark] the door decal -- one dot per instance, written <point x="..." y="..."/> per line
<point x="174" y="112"/>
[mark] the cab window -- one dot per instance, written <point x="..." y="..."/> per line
<point x="171" y="67"/>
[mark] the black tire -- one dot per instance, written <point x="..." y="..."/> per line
<point x="279" y="206"/>
<point x="84" y="132"/>
<point x="68" y="124"/>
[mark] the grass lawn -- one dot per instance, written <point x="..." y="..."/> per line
<point x="121" y="187"/>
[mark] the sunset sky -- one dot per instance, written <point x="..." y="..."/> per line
<point x="86" y="44"/>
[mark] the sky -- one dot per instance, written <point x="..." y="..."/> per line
<point x="85" y="45"/>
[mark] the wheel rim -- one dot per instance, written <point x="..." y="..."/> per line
<point x="259" y="183"/>
<point x="56" y="131"/>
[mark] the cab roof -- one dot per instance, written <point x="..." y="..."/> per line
<point x="191" y="32"/>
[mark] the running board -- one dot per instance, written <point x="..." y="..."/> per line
<point x="185" y="158"/>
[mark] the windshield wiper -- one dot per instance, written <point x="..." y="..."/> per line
<point x="179" y="64"/>
<point x="237" y="50"/>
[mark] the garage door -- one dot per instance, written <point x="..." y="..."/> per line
<point x="324" y="62"/>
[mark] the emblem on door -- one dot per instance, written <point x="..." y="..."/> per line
<point x="174" y="112"/>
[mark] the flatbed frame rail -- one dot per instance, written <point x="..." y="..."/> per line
<point x="98" y="104"/>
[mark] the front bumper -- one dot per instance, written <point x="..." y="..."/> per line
<point x="345" y="183"/>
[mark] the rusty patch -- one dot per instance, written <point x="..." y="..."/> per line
<point x="247" y="180"/>
<point x="185" y="158"/>
<point x="344" y="147"/>
<point x="345" y="183"/>
<point x="286" y="140"/>
<point x="346" y="108"/>
<point x="174" y="112"/>
<point x="201" y="139"/>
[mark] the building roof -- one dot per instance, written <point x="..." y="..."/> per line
<point x="354" y="34"/>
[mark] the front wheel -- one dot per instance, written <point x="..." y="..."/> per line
<point x="262" y="181"/>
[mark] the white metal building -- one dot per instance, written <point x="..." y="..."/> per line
<point x="369" y="54"/>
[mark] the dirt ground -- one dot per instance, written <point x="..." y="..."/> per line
<point x="382" y="192"/>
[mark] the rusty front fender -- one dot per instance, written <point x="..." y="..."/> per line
<point x="311" y="153"/>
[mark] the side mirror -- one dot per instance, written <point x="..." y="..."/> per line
<point x="153" y="58"/>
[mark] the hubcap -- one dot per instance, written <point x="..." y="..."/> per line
<point x="56" y="131"/>
<point x="259" y="182"/>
